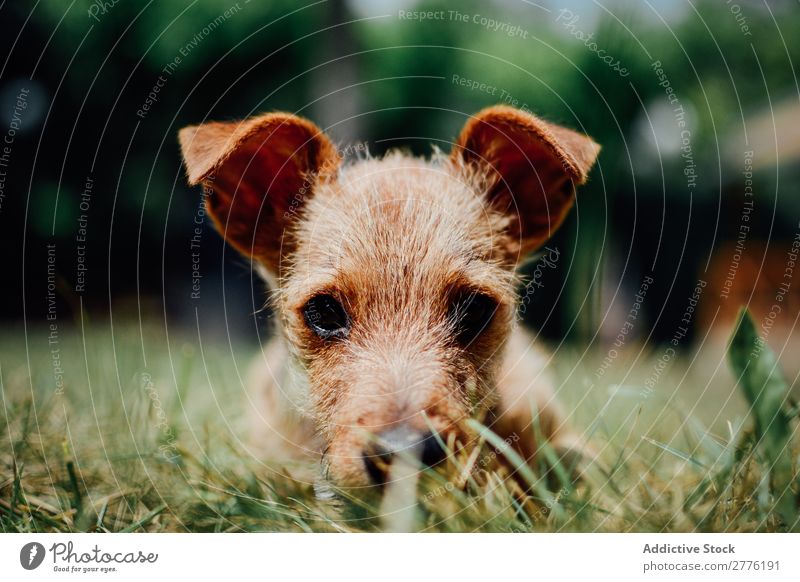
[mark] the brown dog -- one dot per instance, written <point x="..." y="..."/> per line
<point x="394" y="281"/>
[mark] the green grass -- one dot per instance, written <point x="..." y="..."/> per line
<point x="116" y="453"/>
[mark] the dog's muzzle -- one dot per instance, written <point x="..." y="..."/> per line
<point x="401" y="441"/>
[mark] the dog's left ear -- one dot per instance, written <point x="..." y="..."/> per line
<point x="532" y="169"/>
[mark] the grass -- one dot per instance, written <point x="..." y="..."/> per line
<point x="147" y="435"/>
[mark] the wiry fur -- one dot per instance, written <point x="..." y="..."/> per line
<point x="395" y="240"/>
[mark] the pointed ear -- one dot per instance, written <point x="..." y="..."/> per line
<point x="257" y="174"/>
<point x="532" y="168"/>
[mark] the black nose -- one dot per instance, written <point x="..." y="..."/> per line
<point x="423" y="446"/>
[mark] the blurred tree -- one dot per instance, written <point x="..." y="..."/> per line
<point x="396" y="82"/>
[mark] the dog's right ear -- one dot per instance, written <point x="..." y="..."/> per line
<point x="257" y="174"/>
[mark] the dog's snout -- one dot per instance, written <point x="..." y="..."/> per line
<point x="410" y="444"/>
<point x="432" y="451"/>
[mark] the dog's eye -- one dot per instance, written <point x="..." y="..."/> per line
<point x="471" y="313"/>
<point x="326" y="317"/>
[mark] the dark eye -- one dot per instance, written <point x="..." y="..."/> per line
<point x="471" y="313"/>
<point x="326" y="317"/>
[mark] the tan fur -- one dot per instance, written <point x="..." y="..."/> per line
<point x="394" y="240"/>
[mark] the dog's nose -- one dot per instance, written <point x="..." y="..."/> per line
<point x="404" y="441"/>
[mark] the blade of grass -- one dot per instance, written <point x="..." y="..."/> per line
<point x="147" y="518"/>
<point x="674" y="451"/>
<point x="759" y="377"/>
<point x="520" y="466"/>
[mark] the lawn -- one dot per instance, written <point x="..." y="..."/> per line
<point x="128" y="428"/>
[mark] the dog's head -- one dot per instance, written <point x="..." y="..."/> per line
<point x="395" y="277"/>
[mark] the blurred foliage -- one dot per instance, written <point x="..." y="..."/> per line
<point x="267" y="54"/>
<point x="96" y="66"/>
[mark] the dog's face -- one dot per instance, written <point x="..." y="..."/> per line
<point x="394" y="278"/>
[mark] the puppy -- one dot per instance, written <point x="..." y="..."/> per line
<point x="394" y="283"/>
